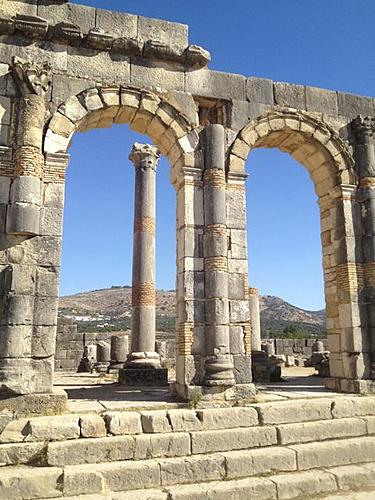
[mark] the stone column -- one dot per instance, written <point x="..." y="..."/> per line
<point x="364" y="130"/>
<point x="256" y="342"/>
<point x="143" y="357"/>
<point x="218" y="366"/>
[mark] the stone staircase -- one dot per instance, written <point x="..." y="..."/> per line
<point x="322" y="447"/>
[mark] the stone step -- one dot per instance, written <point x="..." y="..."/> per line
<point x="356" y="482"/>
<point x="334" y="463"/>
<point x="177" y="444"/>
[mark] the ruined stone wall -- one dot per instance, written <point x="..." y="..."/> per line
<point x="100" y="68"/>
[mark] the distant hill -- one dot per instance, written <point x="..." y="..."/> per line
<point x="111" y="309"/>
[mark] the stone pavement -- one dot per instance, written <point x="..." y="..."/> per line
<point x="97" y="393"/>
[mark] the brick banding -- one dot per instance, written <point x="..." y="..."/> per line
<point x="184" y="338"/>
<point x="144" y="225"/>
<point x="216" y="264"/>
<point x="143" y="294"/>
<point x="215" y="177"/>
<point x="29" y="161"/>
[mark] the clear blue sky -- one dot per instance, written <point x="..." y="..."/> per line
<point x="322" y="43"/>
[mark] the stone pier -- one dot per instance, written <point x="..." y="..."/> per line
<point x="143" y="363"/>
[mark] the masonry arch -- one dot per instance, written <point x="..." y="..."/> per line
<point x="145" y="112"/>
<point x="331" y="167"/>
<point x="155" y="116"/>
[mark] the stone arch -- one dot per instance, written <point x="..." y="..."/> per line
<point x="330" y="164"/>
<point x="144" y="111"/>
<point x="305" y="137"/>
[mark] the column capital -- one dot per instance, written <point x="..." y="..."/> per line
<point x="31" y="78"/>
<point x="364" y="129"/>
<point x="144" y="156"/>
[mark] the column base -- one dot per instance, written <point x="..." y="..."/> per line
<point x="203" y="396"/>
<point x="36" y="404"/>
<point x="219" y="371"/>
<point x="115" y="367"/>
<point x="143" y="376"/>
<point x="101" y="367"/>
<point x="351" y="386"/>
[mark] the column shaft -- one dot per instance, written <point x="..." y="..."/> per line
<point x="219" y="366"/>
<point x="256" y="341"/>
<point x="143" y="326"/>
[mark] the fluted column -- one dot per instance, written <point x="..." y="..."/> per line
<point x="219" y="366"/>
<point x="256" y="341"/>
<point x="145" y="159"/>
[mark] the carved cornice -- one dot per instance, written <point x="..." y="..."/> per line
<point x="144" y="156"/>
<point x="34" y="27"/>
<point x="31" y="78"/>
<point x="364" y="129"/>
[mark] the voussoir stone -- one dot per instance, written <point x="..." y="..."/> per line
<point x="119" y="423"/>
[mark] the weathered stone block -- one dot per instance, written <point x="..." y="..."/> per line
<point x="54" y="193"/>
<point x="294" y="411"/>
<point x="23" y="218"/>
<point x="304" y="484"/>
<point x="170" y="33"/>
<point x="227" y="418"/>
<point x="47" y="282"/>
<point x="19" y="310"/>
<point x="354" y="477"/>
<point x="155" y="421"/>
<point x="291" y="95"/>
<point x="4" y="189"/>
<point x="38" y="52"/>
<point x="43" y="341"/>
<point x="192" y="470"/>
<point x="333" y="453"/>
<point x="321" y="101"/>
<point x="257" y="462"/>
<point x="184" y="420"/>
<point x="63" y="88"/>
<point x="80" y="481"/>
<point x="242" y="368"/>
<point x="19" y="454"/>
<point x="123" y="423"/>
<point x="92" y="426"/>
<point x="90" y="451"/>
<point x="45" y="311"/>
<point x="147" y="75"/>
<point x="236" y="340"/>
<point x="321" y="431"/>
<point x="94" y="65"/>
<point x="79" y="15"/>
<point x="222" y="490"/>
<point x="351" y="106"/>
<point x="232" y="439"/>
<point x="239" y="311"/>
<point x="51" y="220"/>
<point x="35" y="482"/>
<point x="26" y="189"/>
<point x="259" y="90"/>
<point x="353" y="407"/>
<point x="57" y="428"/>
<point x="213" y="84"/>
<point x="131" y="475"/>
<point x="117" y="23"/>
<point x="161" y="445"/>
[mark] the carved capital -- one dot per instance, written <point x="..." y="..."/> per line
<point x="364" y="129"/>
<point x="31" y="78"/>
<point x="144" y="156"/>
